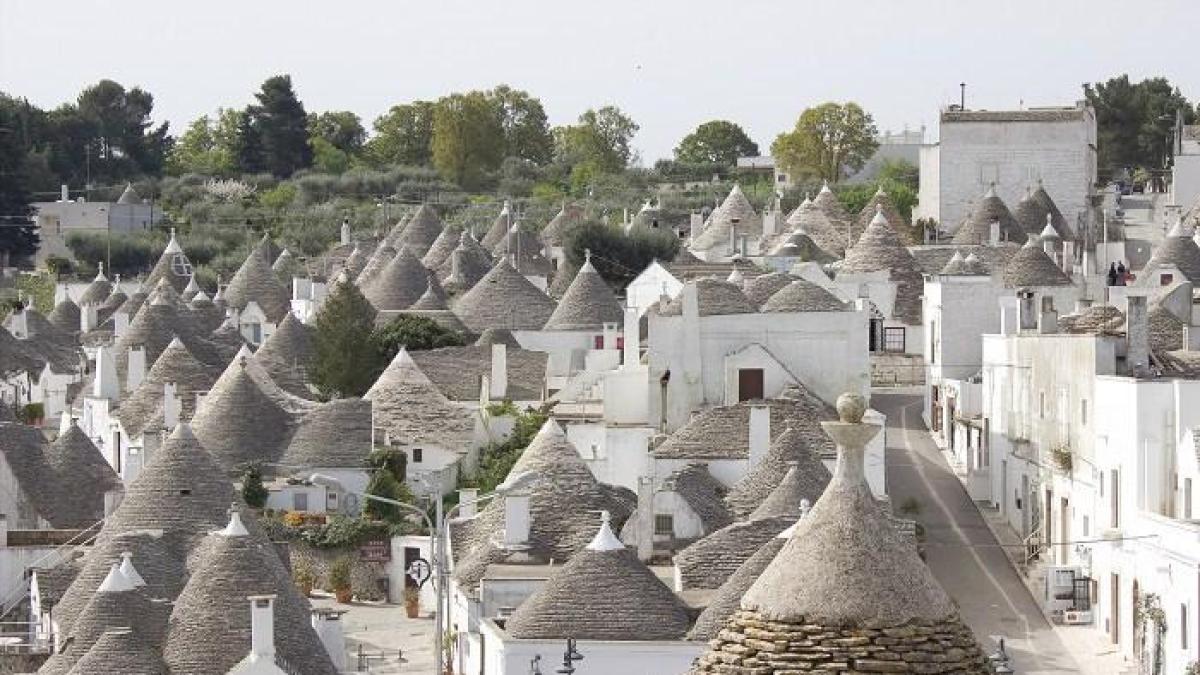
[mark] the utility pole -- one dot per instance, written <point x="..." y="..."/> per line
<point x="962" y="96"/>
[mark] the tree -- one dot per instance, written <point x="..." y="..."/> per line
<point x="468" y="138"/>
<point x="718" y="141"/>
<point x="327" y="157"/>
<point x="616" y="256"/>
<point x="18" y="235"/>
<point x="345" y="362"/>
<point x="414" y="333"/>
<point x="384" y="484"/>
<point x="403" y="136"/>
<point x="828" y="142"/>
<point x="526" y="131"/>
<point x="1135" y="121"/>
<point x="208" y="147"/>
<point x="248" y="145"/>
<point x="282" y="127"/>
<point x="254" y="493"/>
<point x="340" y="128"/>
<point x="600" y="141"/>
<point x="122" y="142"/>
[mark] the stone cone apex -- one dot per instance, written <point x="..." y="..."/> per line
<point x="116" y="581"/>
<point x="605" y="540"/>
<point x="846" y="575"/>
<point x="130" y="571"/>
<point x="235" y="528"/>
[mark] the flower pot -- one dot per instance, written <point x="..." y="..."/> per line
<point x="343" y="595"/>
<point x="412" y="608"/>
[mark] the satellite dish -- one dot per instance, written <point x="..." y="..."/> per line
<point x="181" y="266"/>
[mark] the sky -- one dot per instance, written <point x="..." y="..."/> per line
<point x="669" y="64"/>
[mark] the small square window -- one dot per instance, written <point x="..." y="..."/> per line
<point x="418" y="455"/>
<point x="664" y="524"/>
<point x="893" y="340"/>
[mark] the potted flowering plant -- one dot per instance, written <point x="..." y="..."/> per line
<point x="339" y="579"/>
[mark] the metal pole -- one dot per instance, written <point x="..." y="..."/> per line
<point x="439" y="565"/>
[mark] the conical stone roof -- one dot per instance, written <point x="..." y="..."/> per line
<point x="441" y="249"/>
<point x="1032" y="267"/>
<point x="287" y="266"/>
<point x="238" y="422"/>
<point x="589" y="303"/>
<point x="97" y="291"/>
<point x="434" y="298"/>
<point x="120" y="651"/>
<point x="176" y="365"/>
<point x="762" y="287"/>
<point x="255" y="280"/>
<point x="375" y="264"/>
<point x="788" y="451"/>
<point x="414" y="411"/>
<point x="602" y="593"/>
<point x="714" y="297"/>
<point x="802" y="295"/>
<point x="721" y="226"/>
<point x="129" y="195"/>
<point x="422" y="230"/>
<point x="882" y="202"/>
<point x="209" y="630"/>
<point x="555" y="231"/>
<point x="504" y="299"/>
<point x="880" y="248"/>
<point x="846" y="571"/>
<point x="839" y="225"/>
<point x="499" y="228"/>
<point x="563" y="276"/>
<point x="399" y="284"/>
<point x="977" y="228"/>
<point x="65" y="316"/>
<point x="1177" y="249"/>
<point x="1032" y="210"/>
<point x="465" y="267"/>
<point x="357" y="260"/>
<point x="173" y="265"/>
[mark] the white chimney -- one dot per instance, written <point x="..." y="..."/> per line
<point x="135" y="370"/>
<point x="88" y="316"/>
<point x="632" y="336"/>
<point x="516" y="519"/>
<point x="327" y="623"/>
<point x="994" y="234"/>
<point x="466" y="500"/>
<point x="645" y="514"/>
<point x="172" y="405"/>
<point x="64" y="193"/>
<point x="18" y="325"/>
<point x="760" y="433"/>
<point x="64" y="422"/>
<point x="1048" y="318"/>
<point x="1008" y="315"/>
<point x="610" y="336"/>
<point x="262" y="628"/>
<point x="1027" y="311"/>
<point x="3" y="530"/>
<point x="105" y="385"/>
<point x="1137" y="332"/>
<point x="345" y="231"/>
<point x="769" y="220"/>
<point x="120" y="323"/>
<point x="498" y="378"/>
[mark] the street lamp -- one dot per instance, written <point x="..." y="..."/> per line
<point x="439" y="532"/>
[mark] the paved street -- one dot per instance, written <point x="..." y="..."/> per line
<point x="960" y="548"/>
<point x="385" y="635"/>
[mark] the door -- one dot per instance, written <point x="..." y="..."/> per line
<point x="1114" y="622"/>
<point x="1004" y="486"/>
<point x="1064" y="529"/>
<point x="750" y="384"/>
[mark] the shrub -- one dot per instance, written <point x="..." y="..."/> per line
<point x="618" y="257"/>
<point x="392" y="459"/>
<point x="340" y="572"/>
<point x="33" y="412"/>
<point x="383" y="484"/>
<point x="253" y="491"/>
<point x="293" y="519"/>
<point x="414" y="333"/>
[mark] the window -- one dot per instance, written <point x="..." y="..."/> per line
<point x="750" y="384"/>
<point x="1183" y="626"/>
<point x="1166" y="279"/>
<point x="664" y="524"/>
<point x="1114" y="494"/>
<point x="1083" y="411"/>
<point x="893" y="340"/>
<point x="418" y="455"/>
<point x="781" y="178"/>
<point x="300" y="501"/>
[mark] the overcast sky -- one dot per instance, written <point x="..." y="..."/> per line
<point x="670" y="65"/>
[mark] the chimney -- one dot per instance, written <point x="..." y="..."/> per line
<point x="1048" y="318"/>
<point x="327" y="623"/>
<point x="769" y="221"/>
<point x="466" y="499"/>
<point x="19" y="325"/>
<point x="516" y="519"/>
<point x="345" y="231"/>
<point x="1008" y="316"/>
<point x="631" y="336"/>
<point x="88" y="316"/>
<point x="994" y="234"/>
<point x="120" y="323"/>
<point x="64" y="193"/>
<point x="3" y="531"/>
<point x="760" y="433"/>
<point x="105" y="385"/>
<point x="695" y="222"/>
<point x="262" y="629"/>
<point x="498" y="380"/>
<point x="610" y="336"/>
<point x="1137" y="332"/>
<point x="171" y="405"/>
<point x="64" y="422"/>
<point x="645" y="518"/>
<point x="1027" y="317"/>
<point x="135" y="370"/>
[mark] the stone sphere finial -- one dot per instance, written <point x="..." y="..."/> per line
<point x="851" y="408"/>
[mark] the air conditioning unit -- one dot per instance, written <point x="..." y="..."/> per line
<point x="1076" y="617"/>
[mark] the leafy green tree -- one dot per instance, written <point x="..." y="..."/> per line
<point x="716" y="142"/>
<point x="414" y="333"/>
<point x="828" y="142"/>
<point x="618" y="257"/>
<point x="18" y="236"/>
<point x="282" y="127"/>
<point x="600" y="143"/>
<point x="1135" y="121"/>
<point x="254" y="493"/>
<point x="403" y="136"/>
<point x="208" y="147"/>
<point x="248" y="145"/>
<point x="123" y="142"/>
<point x="523" y="119"/>
<point x="468" y="138"/>
<point x="497" y="459"/>
<point x="345" y="362"/>
<point x="384" y="484"/>
<point x="327" y="157"/>
<point x="340" y="128"/>
<point x="392" y="459"/>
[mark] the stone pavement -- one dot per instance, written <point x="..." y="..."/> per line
<point x="390" y="642"/>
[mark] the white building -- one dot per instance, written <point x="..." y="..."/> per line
<point x="1012" y="149"/>
<point x="1185" y="172"/>
<point x="58" y="220"/>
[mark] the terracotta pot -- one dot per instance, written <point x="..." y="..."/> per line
<point x="412" y="608"/>
<point x="343" y="595"/>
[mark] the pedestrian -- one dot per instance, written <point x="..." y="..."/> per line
<point x="1112" y="274"/>
<point x="1121" y="273"/>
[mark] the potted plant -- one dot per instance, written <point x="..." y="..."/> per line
<point x="304" y="576"/>
<point x="412" y="601"/>
<point x="339" y="579"/>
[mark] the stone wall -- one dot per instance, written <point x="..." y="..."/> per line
<point x="365" y="578"/>
<point x="750" y="645"/>
<point x="897" y="370"/>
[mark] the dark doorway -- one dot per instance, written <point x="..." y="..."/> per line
<point x="750" y="384"/>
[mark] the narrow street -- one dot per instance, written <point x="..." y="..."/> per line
<point x="960" y="550"/>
